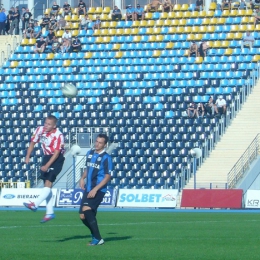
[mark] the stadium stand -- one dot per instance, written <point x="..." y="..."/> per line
<point x="136" y="78"/>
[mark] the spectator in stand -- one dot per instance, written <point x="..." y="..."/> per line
<point x="50" y="37"/>
<point x="66" y="9"/>
<point x="55" y="9"/>
<point x="153" y="6"/>
<point x="76" y="45"/>
<point x="84" y="22"/>
<point x="257" y="17"/>
<point x="167" y="6"/>
<point x="66" y="41"/>
<point x="226" y="4"/>
<point x="210" y="107"/>
<point x="199" y="5"/>
<point x="45" y="22"/>
<point x="116" y="14"/>
<point x="139" y="13"/>
<point x="97" y="23"/>
<point x="130" y="13"/>
<point x="3" y="19"/>
<point x="22" y="19"/>
<point x="81" y="8"/>
<point x="200" y="110"/>
<point x="8" y="22"/>
<point x="28" y="33"/>
<point x="53" y="23"/>
<point x="26" y="18"/>
<point x="55" y="45"/>
<point x="255" y="4"/>
<point x="61" y="23"/>
<point x="220" y="105"/>
<point x="192" y="110"/>
<point x="248" y="40"/>
<point x="203" y="49"/>
<point x="37" y="30"/>
<point x="242" y="5"/>
<point x="193" y="50"/>
<point x="40" y="45"/>
<point x="15" y="22"/>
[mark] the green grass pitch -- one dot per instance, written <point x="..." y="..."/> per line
<point x="131" y="235"/>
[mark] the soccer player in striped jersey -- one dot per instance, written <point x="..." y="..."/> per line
<point x="97" y="175"/>
<point x="52" y="143"/>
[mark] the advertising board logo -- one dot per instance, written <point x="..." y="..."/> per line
<point x="253" y="203"/>
<point x="77" y="197"/>
<point x="9" y="196"/>
<point x="168" y="197"/>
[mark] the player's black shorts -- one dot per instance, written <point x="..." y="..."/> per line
<point x="93" y="203"/>
<point x="54" y="169"/>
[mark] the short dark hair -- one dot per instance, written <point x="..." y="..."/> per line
<point x="104" y="136"/>
<point x="52" y="117"/>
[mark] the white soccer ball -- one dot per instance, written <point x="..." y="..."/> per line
<point x="69" y="90"/>
<point x="75" y="150"/>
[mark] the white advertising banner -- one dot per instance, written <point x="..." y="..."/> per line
<point x="16" y="197"/>
<point x="147" y="198"/>
<point x="252" y="199"/>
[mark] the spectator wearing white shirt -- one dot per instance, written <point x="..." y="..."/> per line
<point x="66" y="41"/>
<point x="220" y="105"/>
<point x="248" y="40"/>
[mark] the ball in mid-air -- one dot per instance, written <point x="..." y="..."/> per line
<point x="69" y="90"/>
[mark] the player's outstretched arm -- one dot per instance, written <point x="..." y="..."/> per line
<point x="29" y="151"/>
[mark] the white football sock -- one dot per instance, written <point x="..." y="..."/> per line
<point x="44" y="194"/>
<point x="49" y="204"/>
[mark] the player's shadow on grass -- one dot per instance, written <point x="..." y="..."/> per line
<point x="107" y="239"/>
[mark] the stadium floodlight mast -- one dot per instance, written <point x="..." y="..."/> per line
<point x="75" y="150"/>
<point x="196" y="154"/>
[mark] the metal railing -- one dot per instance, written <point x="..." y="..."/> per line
<point x="243" y="164"/>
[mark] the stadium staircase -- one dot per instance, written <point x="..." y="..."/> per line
<point x="7" y="45"/>
<point x="237" y="138"/>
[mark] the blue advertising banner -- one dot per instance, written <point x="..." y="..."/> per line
<point x="72" y="198"/>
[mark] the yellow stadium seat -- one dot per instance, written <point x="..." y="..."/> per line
<point x="233" y="13"/>
<point x="249" y="12"/>
<point x="148" y="16"/>
<point x="169" y="45"/>
<point x="116" y="46"/>
<point x="172" y="30"/>
<point x="74" y="26"/>
<point x="103" y="17"/>
<point x="257" y="28"/>
<point x="88" y="55"/>
<point x="212" y="6"/>
<point x="228" y="52"/>
<point x="91" y="10"/>
<point x="150" y="23"/>
<point x="127" y="31"/>
<point x="151" y="38"/>
<point x="159" y="38"/>
<point x="182" y="22"/>
<point x="167" y="22"/>
<point x="202" y="29"/>
<point x="137" y="38"/>
<point x="66" y="63"/>
<point x="198" y="37"/>
<point x="60" y="12"/>
<point x="99" y="39"/>
<point x="230" y="36"/>
<point x="119" y="31"/>
<point x="187" y="14"/>
<point x="225" y="44"/>
<point x="186" y="53"/>
<point x="119" y="54"/>
<point x="13" y="64"/>
<point x="178" y="15"/>
<point x="175" y="22"/>
<point x="136" y="24"/>
<point x="213" y="20"/>
<point x="194" y="14"/>
<point x="157" y="30"/>
<point x="198" y="60"/>
<point x="205" y="21"/>
<point x="256" y="58"/>
<point x="74" y="18"/>
<point x="59" y="33"/>
<point x="112" y="31"/>
<point x="160" y="8"/>
<point x="190" y="37"/>
<point x="105" y="24"/>
<point x="251" y="20"/>
<point x="97" y="32"/>
<point x="47" y="11"/>
<point x="74" y="10"/>
<point x="31" y="41"/>
<point x="180" y="30"/>
<point x="24" y="42"/>
<point x="234" y="28"/>
<point x="159" y="23"/>
<point x="109" y="17"/>
<point x="241" y="13"/>
<point x="74" y="33"/>
<point x="106" y="39"/>
<point x="164" y="16"/>
<point x="176" y="7"/>
<point x="106" y="10"/>
<point x="184" y="7"/>
<point x="112" y="24"/>
<point x="244" y="28"/>
<point x="250" y="28"/>
<point x="195" y="29"/>
<point x="143" y="23"/>
<point x="104" y="32"/>
<point x="99" y="10"/>
<point x="225" y="13"/>
<point x="50" y="56"/>
<point x="244" y="20"/>
<point x="202" y="14"/>
<point x="238" y="35"/>
<point x="210" y="14"/>
<point x="171" y="15"/>
<point x="145" y="8"/>
<point x="187" y="29"/>
<point x="157" y="53"/>
<point x="211" y="28"/>
<point x="221" y="20"/>
<point x="134" y="31"/>
<point x="210" y="44"/>
<point x="67" y="18"/>
<point x="216" y="44"/>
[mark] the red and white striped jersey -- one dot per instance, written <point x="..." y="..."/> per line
<point x="50" y="141"/>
